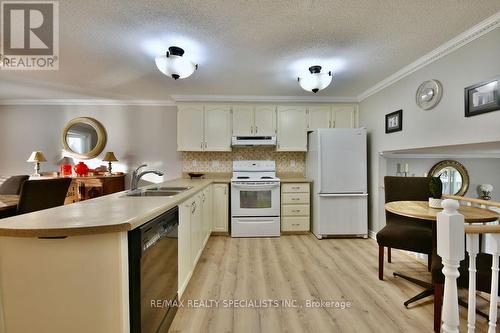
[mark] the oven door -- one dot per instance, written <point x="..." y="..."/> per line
<point x="255" y="199"/>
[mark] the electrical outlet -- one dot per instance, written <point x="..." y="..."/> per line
<point x="293" y="164"/>
<point x="215" y="163"/>
<point x="194" y="163"/>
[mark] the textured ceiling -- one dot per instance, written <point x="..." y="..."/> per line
<point x="253" y="47"/>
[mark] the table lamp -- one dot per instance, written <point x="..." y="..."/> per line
<point x="109" y="157"/>
<point x="37" y="157"/>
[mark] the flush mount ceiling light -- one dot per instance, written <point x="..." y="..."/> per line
<point x="173" y="64"/>
<point x="315" y="80"/>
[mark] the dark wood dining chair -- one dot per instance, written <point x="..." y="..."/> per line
<point x="42" y="194"/>
<point x="401" y="232"/>
<point x="12" y="185"/>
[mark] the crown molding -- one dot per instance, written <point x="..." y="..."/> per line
<point x="88" y="102"/>
<point x="463" y="39"/>
<point x="266" y="99"/>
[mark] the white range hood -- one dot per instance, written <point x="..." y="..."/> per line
<point x="242" y="141"/>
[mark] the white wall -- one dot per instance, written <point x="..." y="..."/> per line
<point x="136" y="134"/>
<point x="445" y="124"/>
<point x="480" y="170"/>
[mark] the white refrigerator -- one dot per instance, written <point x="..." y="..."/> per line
<point x="337" y="164"/>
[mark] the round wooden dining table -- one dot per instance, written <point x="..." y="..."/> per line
<point x="421" y="210"/>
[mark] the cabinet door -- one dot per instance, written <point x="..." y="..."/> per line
<point x="195" y="229"/>
<point x="218" y="128"/>
<point x="190" y="128"/>
<point x="344" y="115"/>
<point x="184" y="241"/>
<point x="319" y="117"/>
<point x="206" y="214"/>
<point x="265" y="120"/>
<point x="292" y="128"/>
<point x="220" y="208"/>
<point x="243" y="124"/>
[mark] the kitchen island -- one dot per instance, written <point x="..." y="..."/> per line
<point x="66" y="269"/>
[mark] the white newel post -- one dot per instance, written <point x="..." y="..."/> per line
<point x="472" y="245"/>
<point x="451" y="248"/>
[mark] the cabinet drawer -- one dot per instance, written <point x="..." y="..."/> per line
<point x="295" y="224"/>
<point x="295" y="188"/>
<point x="295" y="210"/>
<point x="295" y="198"/>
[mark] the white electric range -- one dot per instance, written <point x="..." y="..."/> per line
<point x="255" y="199"/>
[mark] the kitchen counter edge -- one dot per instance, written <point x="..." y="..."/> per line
<point x="63" y="221"/>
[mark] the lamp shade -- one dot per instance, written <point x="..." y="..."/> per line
<point x="173" y="64"/>
<point x="66" y="161"/>
<point x="315" y="80"/>
<point x="36" y="156"/>
<point x="110" y="157"/>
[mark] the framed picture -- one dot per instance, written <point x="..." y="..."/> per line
<point x="394" y="121"/>
<point x="482" y="97"/>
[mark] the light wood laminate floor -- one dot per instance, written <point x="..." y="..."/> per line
<point x="301" y="268"/>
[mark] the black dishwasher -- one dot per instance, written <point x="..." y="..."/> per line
<point x="153" y="273"/>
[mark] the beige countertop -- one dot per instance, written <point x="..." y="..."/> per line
<point x="293" y="177"/>
<point x="285" y="177"/>
<point x="112" y="213"/>
<point x="296" y="180"/>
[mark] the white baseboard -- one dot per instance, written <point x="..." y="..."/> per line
<point x="372" y="234"/>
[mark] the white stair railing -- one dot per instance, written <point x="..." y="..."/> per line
<point x="451" y="243"/>
<point x="450" y="247"/>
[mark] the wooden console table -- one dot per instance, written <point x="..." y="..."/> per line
<point x="84" y="188"/>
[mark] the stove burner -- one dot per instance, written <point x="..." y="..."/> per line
<point x="266" y="177"/>
<point x="243" y="177"/>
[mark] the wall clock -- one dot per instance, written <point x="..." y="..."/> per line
<point x="429" y="94"/>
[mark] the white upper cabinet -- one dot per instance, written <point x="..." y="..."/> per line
<point x="265" y="120"/>
<point x="209" y="127"/>
<point x="319" y="117"/>
<point x="292" y="128"/>
<point x="243" y="122"/>
<point x="204" y="128"/>
<point x="218" y="128"/>
<point x="249" y="120"/>
<point x="344" y="115"/>
<point x="190" y="128"/>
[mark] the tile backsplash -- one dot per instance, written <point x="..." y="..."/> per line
<point x="223" y="161"/>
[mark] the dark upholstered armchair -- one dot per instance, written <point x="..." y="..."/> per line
<point x="401" y="232"/>
<point x="42" y="194"/>
<point x="12" y="185"/>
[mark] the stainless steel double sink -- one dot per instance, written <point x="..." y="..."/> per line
<point x="162" y="191"/>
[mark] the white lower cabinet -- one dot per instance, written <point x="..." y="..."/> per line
<point x="220" y="207"/>
<point x="184" y="245"/>
<point x="196" y="216"/>
<point x="295" y="207"/>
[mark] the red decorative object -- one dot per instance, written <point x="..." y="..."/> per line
<point x="66" y="169"/>
<point x="81" y="169"/>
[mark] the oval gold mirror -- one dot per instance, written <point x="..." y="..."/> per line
<point x="454" y="176"/>
<point x="84" y="138"/>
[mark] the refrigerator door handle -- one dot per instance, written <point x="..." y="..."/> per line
<point x="344" y="195"/>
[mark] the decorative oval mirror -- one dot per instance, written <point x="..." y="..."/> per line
<point x="454" y="176"/>
<point x="84" y="137"/>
